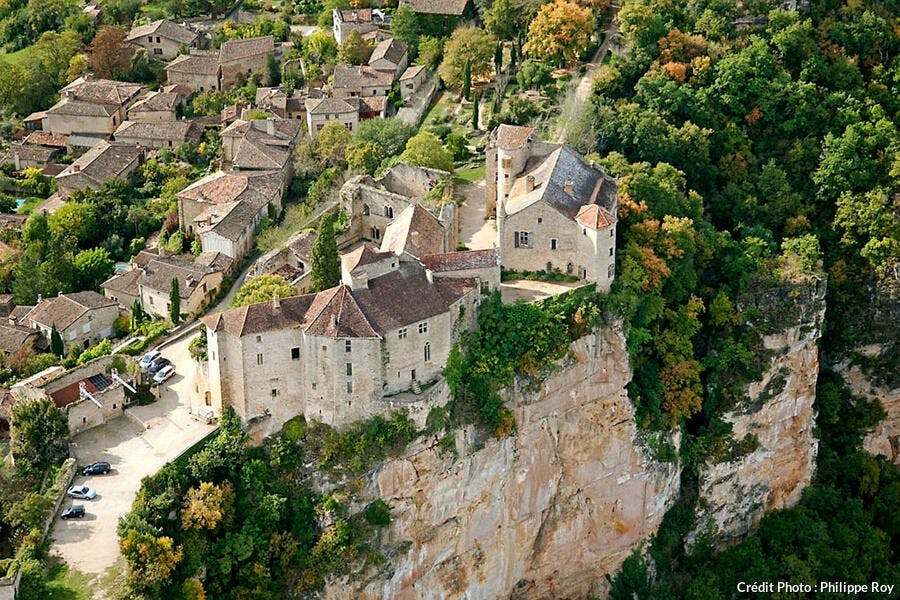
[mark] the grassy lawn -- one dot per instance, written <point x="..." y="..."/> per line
<point x="30" y="203"/>
<point x="15" y="57"/>
<point x="64" y="583"/>
<point x="470" y="175"/>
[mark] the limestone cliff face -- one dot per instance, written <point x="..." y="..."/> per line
<point x="733" y="496"/>
<point x="542" y="513"/>
<point x="885" y="439"/>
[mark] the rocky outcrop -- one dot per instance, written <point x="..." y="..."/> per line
<point x="778" y="410"/>
<point x="884" y="440"/>
<point x="542" y="513"/>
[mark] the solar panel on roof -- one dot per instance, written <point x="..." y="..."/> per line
<point x="100" y="381"/>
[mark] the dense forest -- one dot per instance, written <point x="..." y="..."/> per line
<point x="757" y="150"/>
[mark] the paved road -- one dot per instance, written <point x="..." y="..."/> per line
<point x="136" y="445"/>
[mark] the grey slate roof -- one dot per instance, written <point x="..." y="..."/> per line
<point x="392" y="50"/>
<point x="233" y="50"/>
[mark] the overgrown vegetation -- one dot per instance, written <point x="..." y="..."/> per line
<point x="246" y="523"/>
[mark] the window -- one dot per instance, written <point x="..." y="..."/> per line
<point x="540" y="219"/>
<point x="389" y="211"/>
<point x="259" y="359"/>
<point x="423" y="327"/>
<point x="612" y="233"/>
<point x="258" y="339"/>
<point x="553" y="243"/>
<point x="157" y="39"/>
<point x="349" y="369"/>
<point x="151" y="299"/>
<point x="150" y="38"/>
<point x="295" y="353"/>
<point x="157" y="51"/>
<point x="611" y="271"/>
<point x="569" y="268"/>
<point x="314" y="385"/>
<point x="522" y="239"/>
<point x="274" y="392"/>
<point x="365" y="210"/>
<point x="349" y="387"/>
<point x="427" y="352"/>
<point x="402" y="333"/>
<point x="506" y="162"/>
<point x="347" y="345"/>
<point x="610" y="251"/>
<point x="375" y="233"/>
<point x="412" y="374"/>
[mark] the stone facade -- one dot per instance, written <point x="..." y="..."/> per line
<point x="555" y="212"/>
<point x="338" y="356"/>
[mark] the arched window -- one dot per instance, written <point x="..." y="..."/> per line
<point x="376" y="234"/>
<point x="549" y="266"/>
<point x="389" y="211"/>
<point x="365" y="210"/>
<point x="427" y="352"/>
<point x="569" y="268"/>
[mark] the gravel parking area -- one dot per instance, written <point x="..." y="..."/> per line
<point x="136" y="445"/>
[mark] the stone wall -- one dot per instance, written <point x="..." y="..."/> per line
<point x="542" y="513"/>
<point x="779" y="412"/>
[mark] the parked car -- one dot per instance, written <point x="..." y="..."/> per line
<point x="76" y="511"/>
<point x="164" y="374"/>
<point x="81" y="492"/>
<point x="158" y="364"/>
<point x="148" y="358"/>
<point x="98" y="468"/>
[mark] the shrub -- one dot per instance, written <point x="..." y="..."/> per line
<point x="378" y="513"/>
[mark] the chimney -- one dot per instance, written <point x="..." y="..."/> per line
<point x="244" y="113"/>
<point x="529" y="183"/>
<point x="270" y="126"/>
<point x="569" y="186"/>
<point x="59" y="294"/>
<point x="76" y="168"/>
<point x="189" y="280"/>
<point x="276" y="301"/>
<point x="39" y="299"/>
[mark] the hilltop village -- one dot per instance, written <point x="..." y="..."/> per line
<point x="472" y="298"/>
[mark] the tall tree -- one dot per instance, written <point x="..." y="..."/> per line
<point x="425" y="150"/>
<point x="326" y="265"/>
<point x="467" y="46"/>
<point x="467" y="80"/>
<point x="475" y="102"/>
<point x="263" y="289"/>
<point x="56" y="343"/>
<point x="174" y="302"/>
<point x="331" y="144"/>
<point x="108" y="54"/>
<point x="39" y="435"/>
<point x="561" y="30"/>
<point x="137" y="315"/>
<point x="355" y="50"/>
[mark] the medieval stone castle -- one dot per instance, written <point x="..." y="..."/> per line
<point x="380" y="339"/>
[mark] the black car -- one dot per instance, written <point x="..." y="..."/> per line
<point x="158" y="364"/>
<point x="98" y="468"/>
<point x="76" y="511"/>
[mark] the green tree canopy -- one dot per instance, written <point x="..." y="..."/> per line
<point x="263" y="288"/>
<point x="40" y="435"/>
<point x="425" y="150"/>
<point x="467" y="45"/>
<point x="326" y="264"/>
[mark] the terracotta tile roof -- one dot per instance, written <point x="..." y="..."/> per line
<point x="221" y="187"/>
<point x="231" y="220"/>
<point x="392" y="50"/>
<point x="15" y="337"/>
<point x="369" y="104"/>
<point x="104" y="161"/>
<point x="415" y="231"/>
<point x="318" y="106"/>
<point x="65" y="309"/>
<point x="124" y="283"/>
<point x="234" y="50"/>
<point x="411" y="72"/>
<point x="36" y="116"/>
<point x="436" y="7"/>
<point x="400" y="298"/>
<point x="172" y="131"/>
<point x="101" y="91"/>
<point x="157" y="101"/>
<point x="158" y="275"/>
<point x="163" y="28"/>
<point x="195" y="64"/>
<point x="45" y="138"/>
<point x="257" y="149"/>
<point x="595" y="217"/>
<point x="513" y="137"/>
<point x="71" y="393"/>
<point x="362" y="256"/>
<point x="215" y="260"/>
<point x="461" y="261"/>
<point x="355" y="77"/>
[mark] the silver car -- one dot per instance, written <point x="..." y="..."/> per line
<point x="81" y="492"/>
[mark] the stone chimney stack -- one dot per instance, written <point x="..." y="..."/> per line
<point x="276" y="301"/>
<point x="270" y="126"/>
<point x="569" y="186"/>
<point x="529" y="183"/>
